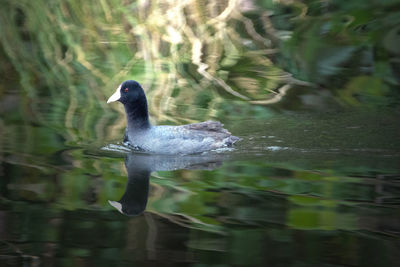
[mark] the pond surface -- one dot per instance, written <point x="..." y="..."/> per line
<point x="312" y="89"/>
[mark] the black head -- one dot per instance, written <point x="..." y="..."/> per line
<point x="131" y="94"/>
<point x="128" y="92"/>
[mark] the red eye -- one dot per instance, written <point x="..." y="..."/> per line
<point x="126" y="90"/>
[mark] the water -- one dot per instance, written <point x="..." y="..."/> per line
<point x="314" y="181"/>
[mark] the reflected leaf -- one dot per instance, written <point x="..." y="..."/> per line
<point x="313" y="219"/>
<point x="364" y="90"/>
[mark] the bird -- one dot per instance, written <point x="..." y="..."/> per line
<point x="141" y="135"/>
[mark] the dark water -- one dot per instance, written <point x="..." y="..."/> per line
<point x="311" y="87"/>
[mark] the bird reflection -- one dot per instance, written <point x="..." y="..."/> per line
<point x="139" y="168"/>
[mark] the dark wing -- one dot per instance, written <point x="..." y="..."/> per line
<point x="209" y="126"/>
<point x="213" y="129"/>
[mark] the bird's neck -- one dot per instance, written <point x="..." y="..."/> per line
<point x="137" y="115"/>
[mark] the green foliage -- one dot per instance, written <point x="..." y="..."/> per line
<point x="339" y="42"/>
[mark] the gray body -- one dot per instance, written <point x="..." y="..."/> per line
<point x="185" y="139"/>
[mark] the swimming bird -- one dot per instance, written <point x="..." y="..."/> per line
<point x="165" y="139"/>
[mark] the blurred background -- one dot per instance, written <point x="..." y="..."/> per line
<point x="312" y="88"/>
